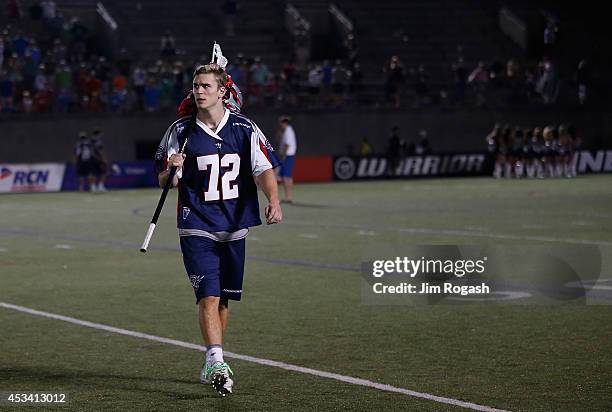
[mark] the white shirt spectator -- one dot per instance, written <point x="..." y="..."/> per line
<point x="40" y="82"/>
<point x="288" y="139"/>
<point x="49" y="9"/>
<point x="139" y="77"/>
<point x="1" y="52"/>
<point x="315" y="77"/>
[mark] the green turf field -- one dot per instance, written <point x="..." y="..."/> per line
<point x="76" y="254"/>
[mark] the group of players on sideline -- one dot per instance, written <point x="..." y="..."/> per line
<point x="90" y="161"/>
<point x="533" y="153"/>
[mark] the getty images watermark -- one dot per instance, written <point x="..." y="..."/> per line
<point x="476" y="274"/>
<point x="435" y="268"/>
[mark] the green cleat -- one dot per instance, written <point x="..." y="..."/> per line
<point x="218" y="375"/>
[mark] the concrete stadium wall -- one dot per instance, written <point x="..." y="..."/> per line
<point x="42" y="138"/>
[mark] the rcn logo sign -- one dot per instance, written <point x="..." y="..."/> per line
<point x="5" y="172"/>
<point x="31" y="178"/>
<point x="25" y="177"/>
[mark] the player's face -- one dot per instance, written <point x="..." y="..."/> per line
<point x="207" y="92"/>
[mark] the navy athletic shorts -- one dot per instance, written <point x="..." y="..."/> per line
<point x="214" y="268"/>
<point x="287" y="165"/>
<point x="84" y="168"/>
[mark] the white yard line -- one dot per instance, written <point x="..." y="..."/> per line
<point x="260" y="361"/>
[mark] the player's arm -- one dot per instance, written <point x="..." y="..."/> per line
<point x="177" y="160"/>
<point x="267" y="182"/>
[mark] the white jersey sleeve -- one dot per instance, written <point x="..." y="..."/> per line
<point x="172" y="145"/>
<point x="261" y="152"/>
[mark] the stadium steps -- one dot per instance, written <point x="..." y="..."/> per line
<point x="433" y="31"/>
<point x="259" y="29"/>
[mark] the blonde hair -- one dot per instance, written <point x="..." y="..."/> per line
<point x="215" y="69"/>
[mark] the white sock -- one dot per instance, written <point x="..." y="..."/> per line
<point x="214" y="353"/>
<point x="498" y="170"/>
<point x="518" y="169"/>
<point x="508" y="170"/>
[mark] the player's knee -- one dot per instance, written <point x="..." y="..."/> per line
<point x="209" y="302"/>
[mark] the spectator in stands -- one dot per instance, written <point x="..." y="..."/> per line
<point x="35" y="11"/>
<point x="41" y="82"/>
<point x="326" y="69"/>
<point x="167" y="45"/>
<point x="13" y="9"/>
<point x="421" y="89"/>
<point x="28" y="70"/>
<point x="103" y="70"/>
<point x="550" y="38"/>
<point x="65" y="100"/>
<point x="230" y="10"/>
<point x="178" y="81"/>
<point x="512" y="82"/>
<point x="479" y="78"/>
<point x="460" y="76"/>
<point x="496" y="72"/>
<point x="356" y="83"/>
<point x="259" y="74"/>
<point x="339" y="83"/>
<point x="583" y="80"/>
<point x="59" y="51"/>
<point x="78" y="40"/>
<point x="353" y="50"/>
<point x="42" y="101"/>
<point x="119" y="82"/>
<point x="48" y="9"/>
<point x="124" y="62"/>
<point x="55" y="26"/>
<point x="152" y="93"/>
<point x="289" y="84"/>
<point x="547" y="84"/>
<point x="302" y="46"/>
<point x="395" y="78"/>
<point x="63" y="76"/>
<point x="26" y="102"/>
<point x="365" y="148"/>
<point x="2" y="50"/>
<point x="93" y="85"/>
<point x="119" y="91"/>
<point x="20" y="43"/>
<point x="139" y="80"/>
<point x="34" y="51"/>
<point x="315" y="78"/>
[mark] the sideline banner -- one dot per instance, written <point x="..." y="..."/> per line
<point x="36" y="177"/>
<point x="313" y="169"/>
<point x="380" y="167"/>
<point x="446" y="165"/>
<point x="119" y="175"/>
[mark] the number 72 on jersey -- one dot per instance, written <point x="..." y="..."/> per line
<point x="229" y="186"/>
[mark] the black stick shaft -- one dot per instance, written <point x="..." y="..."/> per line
<point x="162" y="199"/>
<point x="158" y="209"/>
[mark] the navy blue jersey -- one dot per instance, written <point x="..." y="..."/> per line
<point x="84" y="149"/>
<point x="217" y="192"/>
